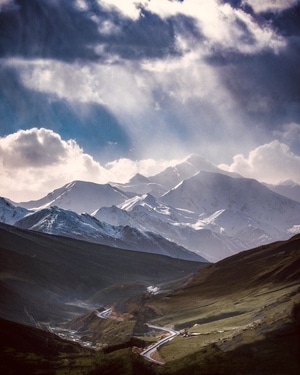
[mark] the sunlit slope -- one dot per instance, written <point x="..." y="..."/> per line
<point x="238" y="316"/>
<point x="228" y="309"/>
<point x="271" y="266"/>
<point x="274" y="263"/>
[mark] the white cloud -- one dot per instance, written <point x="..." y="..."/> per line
<point x="128" y="8"/>
<point x="289" y="133"/>
<point x="34" y="162"/>
<point x="81" y="5"/>
<point x="35" y="148"/>
<point x="270" y="5"/>
<point x="117" y="87"/>
<point x="126" y="87"/>
<point x="129" y="92"/>
<point x="6" y="3"/>
<point x="272" y="162"/>
<point x="219" y="23"/>
<point x="124" y="168"/>
<point x="147" y="96"/>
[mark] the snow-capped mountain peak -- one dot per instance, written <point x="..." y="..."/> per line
<point x="57" y="221"/>
<point x="287" y="183"/>
<point x="143" y="200"/>
<point x="288" y="189"/>
<point x="207" y="192"/>
<point x="10" y="213"/>
<point x="81" y="196"/>
<point x="192" y="205"/>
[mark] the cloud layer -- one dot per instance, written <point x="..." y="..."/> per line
<point x="36" y="161"/>
<point x="147" y="80"/>
<point x="272" y="163"/>
<point x="266" y="6"/>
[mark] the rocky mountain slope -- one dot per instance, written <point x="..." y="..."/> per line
<point x="80" y="196"/>
<point x="212" y="214"/>
<point x="66" y="223"/>
<point x="288" y="189"/>
<point x="194" y="205"/>
<point x="9" y="213"/>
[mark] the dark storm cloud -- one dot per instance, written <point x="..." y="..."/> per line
<point x="264" y="74"/>
<point x="286" y="22"/>
<point x="263" y="79"/>
<point x="149" y="36"/>
<point x="38" y="28"/>
<point x="266" y="85"/>
<point x="58" y="30"/>
<point x="157" y="80"/>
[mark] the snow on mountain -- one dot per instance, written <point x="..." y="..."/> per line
<point x="235" y="224"/>
<point x="9" y="213"/>
<point x="177" y="225"/>
<point x="204" y="237"/>
<point x="288" y="189"/>
<point x="55" y="220"/>
<point x="140" y="184"/>
<point x="212" y="214"/>
<point x="66" y="223"/>
<point x="81" y="196"/>
<point x="145" y="212"/>
<point x="172" y="176"/>
<point x="232" y="223"/>
<point x="144" y="200"/>
<point x="161" y="183"/>
<point x="193" y="205"/>
<point x="209" y="192"/>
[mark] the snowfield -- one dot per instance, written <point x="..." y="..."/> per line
<point x="192" y="209"/>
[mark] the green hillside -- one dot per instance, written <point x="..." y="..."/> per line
<point x="238" y="316"/>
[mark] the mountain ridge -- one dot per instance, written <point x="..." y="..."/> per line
<point x="45" y="273"/>
<point x="58" y="221"/>
<point x="207" y="211"/>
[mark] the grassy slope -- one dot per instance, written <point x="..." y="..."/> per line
<point x="246" y="308"/>
<point x="43" y="272"/>
<point x="27" y="350"/>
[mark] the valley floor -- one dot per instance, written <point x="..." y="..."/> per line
<point x="240" y="316"/>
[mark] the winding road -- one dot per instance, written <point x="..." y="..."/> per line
<point x="149" y="351"/>
<point x="104" y="314"/>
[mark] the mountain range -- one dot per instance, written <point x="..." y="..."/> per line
<point x="57" y="221"/>
<point x="190" y="210"/>
<point x="50" y="278"/>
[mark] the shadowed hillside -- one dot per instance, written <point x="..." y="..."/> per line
<point x="238" y="316"/>
<point x="49" y="278"/>
<point x="274" y="263"/>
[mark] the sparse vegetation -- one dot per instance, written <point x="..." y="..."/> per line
<point x="245" y="311"/>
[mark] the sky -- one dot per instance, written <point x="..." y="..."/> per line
<point x="99" y="90"/>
